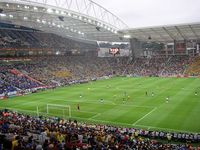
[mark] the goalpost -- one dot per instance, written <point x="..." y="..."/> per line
<point x="64" y="110"/>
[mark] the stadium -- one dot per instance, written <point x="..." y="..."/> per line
<point x="74" y="76"/>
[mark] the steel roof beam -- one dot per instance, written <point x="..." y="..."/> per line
<point x="193" y="32"/>
<point x="144" y="33"/>
<point x="170" y="35"/>
<point x="183" y="36"/>
<point x="158" y="34"/>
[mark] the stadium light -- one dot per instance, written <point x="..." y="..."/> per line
<point x="58" y="52"/>
<point x="85" y="19"/>
<point x="35" y="8"/>
<point x="11" y="16"/>
<point x="43" y="21"/>
<point x="18" y="6"/>
<point x="38" y="20"/>
<point x="7" y="5"/>
<point x="127" y="36"/>
<point x="57" y="12"/>
<point x="49" y="10"/>
<point x="3" y="15"/>
<point x="25" y="18"/>
<point x="62" y="12"/>
<point x="26" y="7"/>
<point x="75" y="16"/>
<point x="89" y="20"/>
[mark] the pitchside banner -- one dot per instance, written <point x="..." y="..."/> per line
<point x="113" y="49"/>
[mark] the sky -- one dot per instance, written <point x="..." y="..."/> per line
<point x="146" y="13"/>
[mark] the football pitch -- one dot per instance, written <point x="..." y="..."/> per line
<point x="169" y="104"/>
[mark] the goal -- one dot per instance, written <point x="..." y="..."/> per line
<point x="60" y="110"/>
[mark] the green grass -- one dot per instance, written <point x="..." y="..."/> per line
<point x="180" y="114"/>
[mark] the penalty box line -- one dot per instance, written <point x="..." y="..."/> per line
<point x="104" y="103"/>
<point x="144" y="116"/>
<point x="26" y="110"/>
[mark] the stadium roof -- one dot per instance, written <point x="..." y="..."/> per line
<point x="165" y="33"/>
<point x="80" y="19"/>
<point x="86" y="20"/>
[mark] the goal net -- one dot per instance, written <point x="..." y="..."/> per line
<point x="59" y="110"/>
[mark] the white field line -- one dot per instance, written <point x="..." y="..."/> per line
<point x="91" y="112"/>
<point x="42" y="112"/>
<point x="102" y="121"/>
<point x="94" y="116"/>
<point x="144" y="116"/>
<point x="94" y="102"/>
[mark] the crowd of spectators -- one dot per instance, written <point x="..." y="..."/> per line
<point x="147" y="66"/>
<point x="19" y="80"/>
<point x="11" y="80"/>
<point x="62" y="70"/>
<point x="5" y="87"/>
<point x="15" y="39"/>
<point x="193" y="69"/>
<point x="10" y="38"/>
<point x="24" y="132"/>
<point x="158" y="66"/>
<point x="176" y="66"/>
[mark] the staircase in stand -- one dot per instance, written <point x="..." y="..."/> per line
<point x="18" y="73"/>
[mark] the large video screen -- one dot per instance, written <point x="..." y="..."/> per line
<point x="113" y="49"/>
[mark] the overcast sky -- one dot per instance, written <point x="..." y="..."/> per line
<point x="143" y="13"/>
